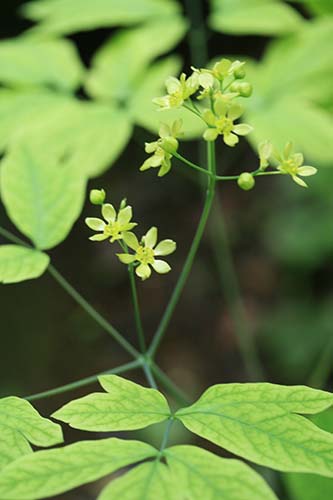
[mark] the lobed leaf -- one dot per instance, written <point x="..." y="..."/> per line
<point x="18" y="263"/>
<point x="62" y="16"/>
<point x="249" y="17"/>
<point x="21" y="424"/>
<point x="148" y="481"/>
<point x="260" y="423"/>
<point x="20" y="63"/>
<point x="125" y="406"/>
<point x="42" y="196"/>
<point x="201" y="474"/>
<point x="51" y="472"/>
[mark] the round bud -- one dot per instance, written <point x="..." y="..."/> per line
<point x="239" y="73"/>
<point x="123" y="203"/>
<point x="244" y="89"/>
<point x="169" y="144"/>
<point x="97" y="196"/>
<point x="246" y="181"/>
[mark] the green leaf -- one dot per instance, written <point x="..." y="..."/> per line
<point x="51" y="472"/>
<point x="201" y="474"/>
<point x="118" y="409"/>
<point x="18" y="263"/>
<point x="259" y="423"/>
<point x="115" y="72"/>
<point x="146" y="114"/>
<point x="42" y="196"/>
<point x="149" y="481"/>
<point x="20" y="63"/>
<point x="308" y="486"/>
<point x="319" y="7"/>
<point x="263" y="17"/>
<point x="20" y="424"/>
<point x="62" y="16"/>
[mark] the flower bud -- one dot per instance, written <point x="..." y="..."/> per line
<point x="97" y="196"/>
<point x="169" y="144"/>
<point x="243" y="88"/>
<point x="239" y="73"/>
<point x="123" y="203"/>
<point x="246" y="181"/>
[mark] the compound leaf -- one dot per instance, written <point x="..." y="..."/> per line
<point x="43" y="196"/>
<point x="61" y="16"/>
<point x="18" y="263"/>
<point x="262" y="17"/>
<point x="260" y="423"/>
<point x="149" y="481"/>
<point x="201" y="474"/>
<point x="20" y="63"/>
<point x="117" y="409"/>
<point x="51" y="472"/>
<point x="21" y="424"/>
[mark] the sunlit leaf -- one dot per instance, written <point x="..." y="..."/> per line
<point x="263" y="17"/>
<point x="62" y="16"/>
<point x="29" y="61"/>
<point x="201" y="474"/>
<point x="18" y="263"/>
<point x="117" y="409"/>
<point x="260" y="423"/>
<point x="42" y="195"/>
<point x="21" y="424"/>
<point x="51" y="472"/>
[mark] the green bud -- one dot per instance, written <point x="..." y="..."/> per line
<point x="243" y="88"/>
<point x="123" y="203"/>
<point x="239" y="73"/>
<point x="246" y="181"/>
<point x="97" y="196"/>
<point x="169" y="144"/>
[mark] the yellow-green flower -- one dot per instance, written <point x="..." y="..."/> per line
<point x="145" y="253"/>
<point x="114" y="226"/>
<point x="163" y="148"/>
<point x="178" y="91"/>
<point x="292" y="164"/>
<point x="221" y="122"/>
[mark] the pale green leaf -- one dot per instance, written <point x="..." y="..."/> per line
<point x="116" y="73"/>
<point x="18" y="263"/>
<point x="29" y="61"/>
<point x="263" y="17"/>
<point x="201" y="474"/>
<point x="259" y="422"/>
<point x="21" y="424"/>
<point x="43" y="196"/>
<point x="125" y="406"/>
<point x="51" y="472"/>
<point x="145" y="112"/>
<point x="149" y="481"/>
<point x="63" y="16"/>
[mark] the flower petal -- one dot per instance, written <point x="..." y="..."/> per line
<point x="164" y="130"/>
<point x="242" y="129"/>
<point x="306" y="171"/>
<point x="131" y="240"/>
<point x="210" y="134"/>
<point x="99" y="237"/>
<point x="230" y="139"/>
<point x="150" y="238"/>
<point x="108" y="212"/>
<point x="235" y="111"/>
<point x="165" y="168"/>
<point x="165" y="247"/>
<point x="143" y="271"/>
<point x="298" y="159"/>
<point x="161" y="266"/>
<point x="150" y="147"/>
<point x="299" y="181"/>
<point x="95" y="224"/>
<point x="172" y="84"/>
<point x="126" y="258"/>
<point x="124" y="215"/>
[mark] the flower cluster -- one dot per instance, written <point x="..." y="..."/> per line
<point x="163" y="148"/>
<point x="117" y="226"/>
<point x="287" y="162"/>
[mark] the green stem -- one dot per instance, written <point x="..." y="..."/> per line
<point x="323" y="367"/>
<point x="172" y="388"/>
<point x="166" y="435"/>
<point x="92" y="312"/>
<point x="137" y="314"/>
<point x="230" y="287"/>
<point x="149" y="376"/>
<point x="84" y="381"/>
<point x="255" y="174"/>
<point x="11" y="237"/>
<point x="191" y="255"/>
<point x="190" y="164"/>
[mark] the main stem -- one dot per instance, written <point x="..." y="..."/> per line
<point x="136" y="307"/>
<point x="191" y="255"/>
